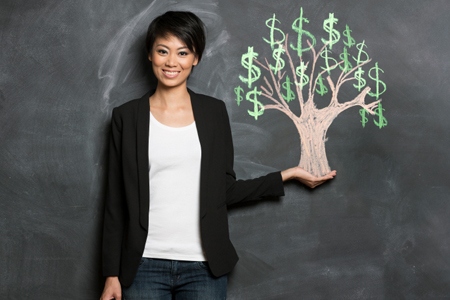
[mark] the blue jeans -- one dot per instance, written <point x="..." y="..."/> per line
<point x="172" y="279"/>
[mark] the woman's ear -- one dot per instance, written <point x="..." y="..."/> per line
<point x="195" y="61"/>
<point x="149" y="56"/>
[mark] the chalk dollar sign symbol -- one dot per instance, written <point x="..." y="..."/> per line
<point x="348" y="34"/>
<point x="361" y="52"/>
<point x="362" y="113"/>
<point x="322" y="89"/>
<point x="324" y="55"/>
<point x="300" y="71"/>
<point x="361" y="81"/>
<point x="238" y="90"/>
<point x="287" y="87"/>
<point x="380" y="85"/>
<point x="333" y="35"/>
<point x="297" y="26"/>
<point x="382" y="122"/>
<point x="258" y="108"/>
<point x="279" y="65"/>
<point x="346" y="66"/>
<point x="272" y="41"/>
<point x="253" y="71"/>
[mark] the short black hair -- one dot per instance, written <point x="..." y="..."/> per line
<point x="184" y="25"/>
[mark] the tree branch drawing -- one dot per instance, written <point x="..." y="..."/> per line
<point x="309" y="74"/>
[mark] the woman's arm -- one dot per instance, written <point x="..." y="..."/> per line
<point x="113" y="221"/>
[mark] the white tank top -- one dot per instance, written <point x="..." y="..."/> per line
<point x="174" y="172"/>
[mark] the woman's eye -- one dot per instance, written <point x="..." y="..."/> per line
<point x="183" y="53"/>
<point x="161" y="51"/>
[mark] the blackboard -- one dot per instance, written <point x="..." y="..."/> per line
<point x="379" y="230"/>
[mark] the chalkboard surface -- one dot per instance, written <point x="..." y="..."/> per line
<point x="379" y="230"/>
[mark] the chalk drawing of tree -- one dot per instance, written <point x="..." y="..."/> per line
<point x="286" y="82"/>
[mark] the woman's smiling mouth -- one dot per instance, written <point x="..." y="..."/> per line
<point x="170" y="73"/>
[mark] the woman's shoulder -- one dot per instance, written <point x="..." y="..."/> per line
<point x="133" y="105"/>
<point x="206" y="100"/>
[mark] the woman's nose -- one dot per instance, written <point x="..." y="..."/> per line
<point x="171" y="60"/>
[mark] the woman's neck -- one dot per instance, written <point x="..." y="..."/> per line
<point x="170" y="97"/>
<point x="172" y="107"/>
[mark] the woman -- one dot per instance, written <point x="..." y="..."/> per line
<point x="174" y="146"/>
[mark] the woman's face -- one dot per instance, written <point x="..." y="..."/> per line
<point x="172" y="61"/>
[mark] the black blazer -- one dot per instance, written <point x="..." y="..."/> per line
<point x="127" y="199"/>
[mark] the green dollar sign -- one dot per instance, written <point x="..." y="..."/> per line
<point x="253" y="71"/>
<point x="346" y="66"/>
<point x="322" y="89"/>
<point x="333" y="35"/>
<point x="287" y="87"/>
<point x="279" y="65"/>
<point x="348" y="34"/>
<point x="382" y="122"/>
<point x="238" y="91"/>
<point x="272" y="41"/>
<point x="300" y="71"/>
<point x="364" y="120"/>
<point x="361" y="81"/>
<point x="361" y="52"/>
<point x="327" y="58"/>
<point x="297" y="26"/>
<point x="380" y="85"/>
<point x="258" y="108"/>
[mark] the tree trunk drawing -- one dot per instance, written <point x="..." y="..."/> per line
<point x="313" y="157"/>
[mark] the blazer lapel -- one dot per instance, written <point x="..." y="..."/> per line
<point x="204" y="134"/>
<point x="142" y="132"/>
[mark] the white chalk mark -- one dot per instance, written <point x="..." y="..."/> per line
<point x="114" y="58"/>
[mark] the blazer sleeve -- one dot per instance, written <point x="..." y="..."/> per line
<point x="270" y="185"/>
<point x="113" y="223"/>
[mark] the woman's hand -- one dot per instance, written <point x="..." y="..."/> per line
<point x="112" y="289"/>
<point x="305" y="177"/>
